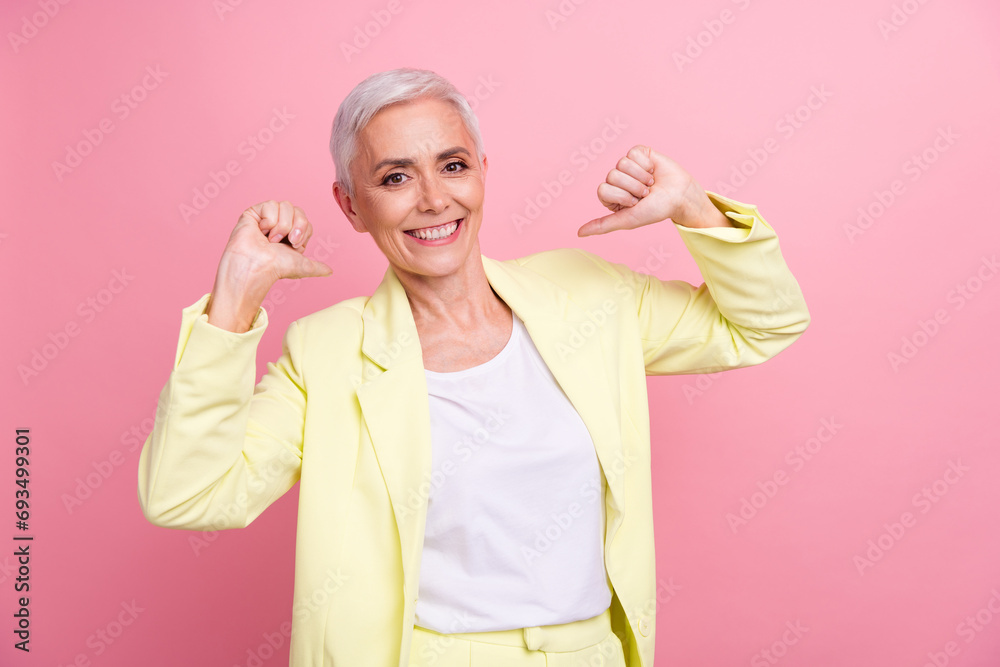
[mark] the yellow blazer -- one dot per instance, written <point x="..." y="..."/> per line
<point x="344" y="412"/>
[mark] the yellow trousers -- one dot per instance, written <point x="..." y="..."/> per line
<point x="586" y="643"/>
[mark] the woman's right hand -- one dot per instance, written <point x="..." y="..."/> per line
<point x="266" y="245"/>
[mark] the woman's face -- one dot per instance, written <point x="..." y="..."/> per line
<point x="416" y="174"/>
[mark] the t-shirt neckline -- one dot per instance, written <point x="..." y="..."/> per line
<point x="515" y="335"/>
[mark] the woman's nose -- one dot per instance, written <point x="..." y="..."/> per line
<point x="432" y="195"/>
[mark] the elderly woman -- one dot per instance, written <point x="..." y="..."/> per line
<point x="472" y="440"/>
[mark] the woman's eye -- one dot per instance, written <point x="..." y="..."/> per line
<point x="393" y="179"/>
<point x="456" y="163"/>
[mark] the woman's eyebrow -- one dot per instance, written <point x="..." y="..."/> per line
<point x="409" y="162"/>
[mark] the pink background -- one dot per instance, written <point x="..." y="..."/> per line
<point x="543" y="89"/>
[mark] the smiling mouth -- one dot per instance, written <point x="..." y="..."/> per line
<point x="434" y="233"/>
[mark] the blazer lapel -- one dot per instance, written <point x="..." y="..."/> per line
<point x="393" y="390"/>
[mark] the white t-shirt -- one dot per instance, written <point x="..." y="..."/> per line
<point x="515" y="515"/>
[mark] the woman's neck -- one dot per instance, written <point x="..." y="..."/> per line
<point x="462" y="301"/>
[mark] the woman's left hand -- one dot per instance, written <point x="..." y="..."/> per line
<point x="647" y="187"/>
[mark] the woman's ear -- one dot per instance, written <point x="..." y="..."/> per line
<point x="346" y="203"/>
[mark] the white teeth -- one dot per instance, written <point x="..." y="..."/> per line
<point x="437" y="233"/>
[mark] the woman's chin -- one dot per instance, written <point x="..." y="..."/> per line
<point x="451" y="261"/>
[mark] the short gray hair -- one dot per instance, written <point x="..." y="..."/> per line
<point x="381" y="90"/>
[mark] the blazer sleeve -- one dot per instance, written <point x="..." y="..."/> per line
<point x="748" y="309"/>
<point x="222" y="450"/>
